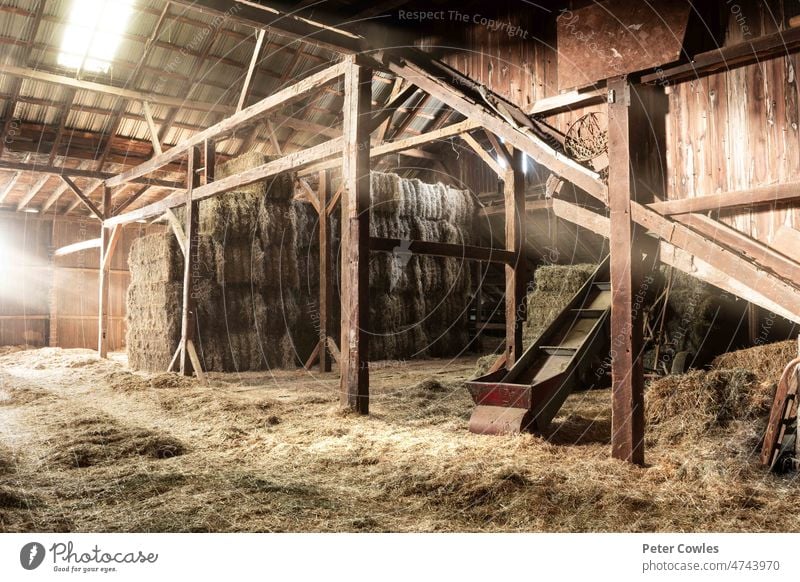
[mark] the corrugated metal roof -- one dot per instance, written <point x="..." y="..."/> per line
<point x="171" y="61"/>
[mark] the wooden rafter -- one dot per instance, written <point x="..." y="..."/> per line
<point x="248" y="115"/>
<point x="734" y="200"/>
<point x="70" y="98"/>
<point x="251" y="69"/>
<point x="511" y="127"/>
<point x="12" y="104"/>
<point x="32" y="191"/>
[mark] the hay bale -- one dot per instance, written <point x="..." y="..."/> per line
<point x="554" y="286"/>
<point x="278" y="187"/>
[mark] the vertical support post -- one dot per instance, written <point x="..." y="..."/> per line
<point x="514" y="195"/>
<point x="104" y="278"/>
<point x="354" y="360"/>
<point x="189" y="309"/>
<point x="627" y="375"/>
<point x="325" y="282"/>
<point x="753" y="322"/>
<point x="209" y="160"/>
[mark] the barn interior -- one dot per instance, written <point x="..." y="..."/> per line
<point x="399" y="266"/>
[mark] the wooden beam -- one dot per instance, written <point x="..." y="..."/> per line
<point x="135" y="78"/>
<point x="439" y="249"/>
<point x="32" y="192"/>
<point x="310" y="195"/>
<point x="287" y="163"/>
<point x="280" y="17"/>
<point x="514" y="196"/>
<point x="759" y="253"/>
<point x="787" y="242"/>
<point x="627" y="375"/>
<point x="9" y="186"/>
<point x="189" y="305"/>
<point x="77" y="173"/>
<point x="383" y="118"/>
<point x="325" y="278"/>
<point x="136" y="195"/>
<point x="27" y="57"/>
<point x="44" y="77"/>
<point x="734" y="265"/>
<point x="507" y="154"/>
<point x="567" y="102"/>
<point x="671" y="255"/>
<point x="227" y="125"/>
<point x="738" y="199"/>
<point x="94" y="243"/>
<point x="68" y="101"/>
<point x="401" y="144"/>
<point x="177" y="230"/>
<point x="484" y="155"/>
<point x="104" y="279"/>
<point x="520" y="136"/>
<point x="354" y="361"/>
<point x="273" y="138"/>
<point x="251" y="69"/>
<point x="84" y="198"/>
<point x="151" y="126"/>
<point x="411" y="115"/>
<point x="781" y="43"/>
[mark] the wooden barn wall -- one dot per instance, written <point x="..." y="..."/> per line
<point x="24" y="281"/>
<point x="739" y="129"/>
<point x="54" y="302"/>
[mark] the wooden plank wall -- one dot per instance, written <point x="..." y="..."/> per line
<point x="739" y="129"/>
<point x="24" y="281"/>
<point x="56" y="304"/>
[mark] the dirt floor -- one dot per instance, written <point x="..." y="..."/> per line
<point x="86" y="445"/>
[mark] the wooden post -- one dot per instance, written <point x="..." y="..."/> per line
<point x="627" y="420"/>
<point x="189" y="309"/>
<point x="325" y="282"/>
<point x="514" y="194"/>
<point x="209" y="160"/>
<point x="354" y="359"/>
<point x="104" y="279"/>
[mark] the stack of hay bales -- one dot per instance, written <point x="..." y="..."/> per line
<point x="252" y="236"/>
<point x="554" y="286"/>
<point x="306" y="333"/>
<point x="154" y="301"/>
<point x="245" y="283"/>
<point x="418" y="304"/>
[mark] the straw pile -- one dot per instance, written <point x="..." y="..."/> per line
<point x="554" y="286"/>
<point x="733" y="399"/>
<point x="419" y="304"/>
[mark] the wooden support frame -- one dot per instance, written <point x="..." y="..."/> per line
<point x="245" y="116"/>
<point x="487" y="158"/>
<point x="518" y="137"/>
<point x="78" y="173"/>
<point x="251" y="69"/>
<point x="151" y="126"/>
<point x="87" y="202"/>
<point x="9" y="186"/>
<point x="681" y="259"/>
<point x="751" y="198"/>
<point x="514" y="196"/>
<point x="451" y="250"/>
<point x="354" y="359"/>
<point x="288" y="162"/>
<point x="108" y="242"/>
<point x="189" y="306"/>
<point x="325" y="279"/>
<point x="32" y="191"/>
<point x="627" y="373"/>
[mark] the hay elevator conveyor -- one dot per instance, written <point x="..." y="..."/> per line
<point x="527" y="396"/>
